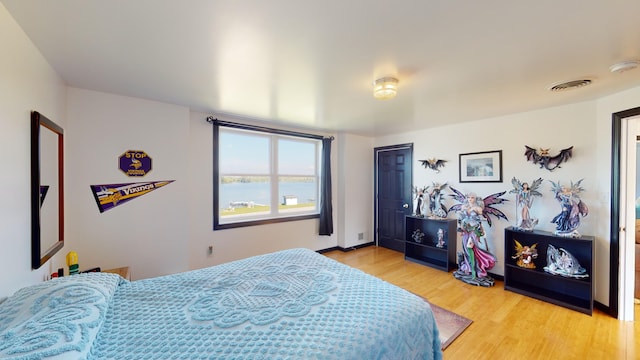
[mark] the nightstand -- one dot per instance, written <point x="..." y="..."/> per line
<point x="122" y="271"/>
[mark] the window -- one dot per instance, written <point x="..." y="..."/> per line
<point x="264" y="175"/>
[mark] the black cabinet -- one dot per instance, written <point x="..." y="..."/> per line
<point x="575" y="293"/>
<point x="430" y="242"/>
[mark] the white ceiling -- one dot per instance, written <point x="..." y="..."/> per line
<point x="311" y="63"/>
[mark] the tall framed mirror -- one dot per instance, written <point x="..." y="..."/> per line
<point x="47" y="195"/>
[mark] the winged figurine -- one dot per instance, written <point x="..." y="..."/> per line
<point x="525" y="194"/>
<point x="525" y="255"/>
<point x="542" y="157"/>
<point x="418" y="201"/>
<point x="476" y="258"/>
<point x="572" y="207"/>
<point x="533" y="188"/>
<point x="561" y="262"/>
<point x="433" y="164"/>
<point x="436" y="199"/>
<point x="489" y="201"/>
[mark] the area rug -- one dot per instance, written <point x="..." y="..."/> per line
<point x="450" y="324"/>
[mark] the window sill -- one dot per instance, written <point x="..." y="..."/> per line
<point x="234" y="225"/>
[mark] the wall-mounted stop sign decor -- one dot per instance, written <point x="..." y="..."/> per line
<point x="135" y="163"/>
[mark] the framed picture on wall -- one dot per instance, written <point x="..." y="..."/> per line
<point x="481" y="166"/>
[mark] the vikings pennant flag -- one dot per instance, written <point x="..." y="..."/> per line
<point x="109" y="196"/>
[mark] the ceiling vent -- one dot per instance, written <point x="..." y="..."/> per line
<point x="569" y="85"/>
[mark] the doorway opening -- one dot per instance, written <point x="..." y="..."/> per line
<point x="622" y="238"/>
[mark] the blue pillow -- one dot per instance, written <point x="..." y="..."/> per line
<point x="57" y="319"/>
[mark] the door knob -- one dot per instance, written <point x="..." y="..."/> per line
<point x="406" y="206"/>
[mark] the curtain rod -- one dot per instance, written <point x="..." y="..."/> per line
<point x="216" y="121"/>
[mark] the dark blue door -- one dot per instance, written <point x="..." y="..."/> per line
<point x="393" y="181"/>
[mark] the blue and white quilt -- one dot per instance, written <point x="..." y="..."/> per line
<point x="293" y="304"/>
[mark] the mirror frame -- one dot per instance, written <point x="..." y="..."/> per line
<point x="38" y="257"/>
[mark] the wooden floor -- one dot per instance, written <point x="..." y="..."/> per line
<point x="505" y="325"/>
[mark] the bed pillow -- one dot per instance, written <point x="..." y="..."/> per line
<point x="57" y="319"/>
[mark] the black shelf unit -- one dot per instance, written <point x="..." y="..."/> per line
<point x="423" y="250"/>
<point x="572" y="293"/>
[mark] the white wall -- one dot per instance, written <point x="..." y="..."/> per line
<point x="355" y="189"/>
<point x="555" y="128"/>
<point x="149" y="233"/>
<point x="28" y="83"/>
<point x="169" y="229"/>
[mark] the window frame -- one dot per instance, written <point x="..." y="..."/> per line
<point x="278" y="134"/>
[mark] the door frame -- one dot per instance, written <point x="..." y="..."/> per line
<point x="375" y="181"/>
<point x="618" y="121"/>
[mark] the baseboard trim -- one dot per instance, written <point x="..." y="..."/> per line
<point x="602" y="307"/>
<point x="351" y="248"/>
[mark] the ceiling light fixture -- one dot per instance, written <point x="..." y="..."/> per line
<point x="624" y="66"/>
<point x="385" y="88"/>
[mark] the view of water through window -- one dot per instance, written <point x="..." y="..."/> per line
<point x="250" y="162"/>
<point x="258" y="193"/>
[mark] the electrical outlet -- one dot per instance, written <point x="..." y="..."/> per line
<point x="360" y="236"/>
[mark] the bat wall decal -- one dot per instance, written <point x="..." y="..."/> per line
<point x="542" y="157"/>
<point x="433" y="164"/>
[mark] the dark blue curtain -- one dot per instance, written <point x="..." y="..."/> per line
<point x="326" y="208"/>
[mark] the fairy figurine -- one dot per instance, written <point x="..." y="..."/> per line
<point x="418" y="201"/>
<point x="568" y="220"/>
<point x="436" y="200"/>
<point x="475" y="258"/>
<point x="525" y="194"/>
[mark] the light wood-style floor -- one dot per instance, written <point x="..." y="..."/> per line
<point x="505" y="325"/>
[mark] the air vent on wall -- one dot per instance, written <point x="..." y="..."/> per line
<point x="568" y="85"/>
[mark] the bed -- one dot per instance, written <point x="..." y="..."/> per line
<point x="292" y="304"/>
